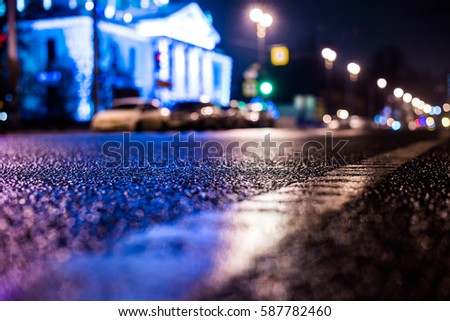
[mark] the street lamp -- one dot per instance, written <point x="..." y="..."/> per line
<point x="407" y="98"/>
<point x="381" y="83"/>
<point x="353" y="69"/>
<point x="329" y="57"/>
<point x="398" y="93"/>
<point x="263" y="21"/>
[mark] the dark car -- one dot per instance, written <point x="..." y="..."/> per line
<point x="196" y="115"/>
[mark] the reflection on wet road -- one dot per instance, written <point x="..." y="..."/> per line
<point x="199" y="254"/>
<point x="168" y="262"/>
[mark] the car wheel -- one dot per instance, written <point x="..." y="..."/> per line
<point x="164" y="126"/>
<point x="139" y="127"/>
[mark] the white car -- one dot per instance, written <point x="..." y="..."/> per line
<point x="132" y="114"/>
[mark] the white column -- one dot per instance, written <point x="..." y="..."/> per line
<point x="207" y="75"/>
<point x="194" y="78"/>
<point x="179" y="72"/>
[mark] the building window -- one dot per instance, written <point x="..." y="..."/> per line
<point x="132" y="61"/>
<point x="217" y="72"/>
<point x="51" y="52"/>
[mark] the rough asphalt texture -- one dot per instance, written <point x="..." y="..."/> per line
<point x="390" y="244"/>
<point x="58" y="199"/>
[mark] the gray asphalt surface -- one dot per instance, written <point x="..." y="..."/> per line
<point x="392" y="243"/>
<point x="59" y="200"/>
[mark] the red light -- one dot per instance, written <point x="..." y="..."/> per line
<point x="158" y="56"/>
<point x="3" y="38"/>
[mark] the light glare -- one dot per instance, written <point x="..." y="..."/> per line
<point x="89" y="6"/>
<point x="256" y="15"/>
<point x="381" y="83"/>
<point x="266" y="20"/>
<point x="398" y="92"/>
<point x="445" y="122"/>
<point x="326" y="119"/>
<point x="407" y="98"/>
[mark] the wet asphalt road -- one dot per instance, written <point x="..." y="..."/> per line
<point x="73" y="226"/>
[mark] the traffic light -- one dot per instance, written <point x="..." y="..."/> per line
<point x="157" y="60"/>
<point x="3" y="38"/>
<point x="265" y="88"/>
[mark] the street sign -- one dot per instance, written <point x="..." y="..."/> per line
<point x="249" y="88"/>
<point x="279" y="55"/>
<point x="163" y="84"/>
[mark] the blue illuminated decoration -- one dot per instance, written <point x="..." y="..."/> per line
<point x="79" y="45"/>
<point x="20" y="5"/>
<point x="181" y="26"/>
<point x="396" y="125"/>
<point x="2" y="8"/>
<point x="422" y="121"/>
<point x="110" y="11"/>
<point x="72" y="4"/>
<point x="49" y="77"/>
<point x="89" y="6"/>
<point x="225" y="62"/>
<point x="47" y="4"/>
<point x="181" y="44"/>
<point x="145" y="4"/>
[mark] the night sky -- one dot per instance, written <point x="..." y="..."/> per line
<point x="355" y="29"/>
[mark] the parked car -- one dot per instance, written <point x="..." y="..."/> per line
<point x="195" y="115"/>
<point x="352" y="122"/>
<point x="233" y="117"/>
<point x="132" y="114"/>
<point x="261" y="113"/>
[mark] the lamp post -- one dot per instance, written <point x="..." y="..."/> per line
<point x="329" y="57"/>
<point x="13" y="60"/>
<point x="263" y="21"/>
<point x="353" y="69"/>
<point x="96" y="71"/>
<point x="381" y="84"/>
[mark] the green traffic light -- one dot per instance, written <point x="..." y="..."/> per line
<point x="266" y="88"/>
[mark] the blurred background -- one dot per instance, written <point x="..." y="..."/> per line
<point x="63" y="61"/>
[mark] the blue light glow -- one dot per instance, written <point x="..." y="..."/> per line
<point x="396" y="125"/>
<point x="226" y="65"/>
<point x="53" y="76"/>
<point x="110" y="11"/>
<point x="20" y="5"/>
<point x="73" y="4"/>
<point x="191" y="26"/>
<point x="422" y="121"/>
<point x="89" y="6"/>
<point x="78" y="35"/>
<point x="380" y="120"/>
<point x="127" y="17"/>
<point x="2" y="8"/>
<point x="47" y="4"/>
<point x="145" y="4"/>
<point x="387" y="111"/>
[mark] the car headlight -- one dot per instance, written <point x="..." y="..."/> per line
<point x="207" y="111"/>
<point x="165" y="112"/>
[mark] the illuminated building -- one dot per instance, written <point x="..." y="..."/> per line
<point x="158" y="49"/>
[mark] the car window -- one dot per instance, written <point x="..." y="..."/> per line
<point x="149" y="107"/>
<point x="126" y="106"/>
<point x="190" y="106"/>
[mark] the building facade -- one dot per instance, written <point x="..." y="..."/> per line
<point x="159" y="50"/>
